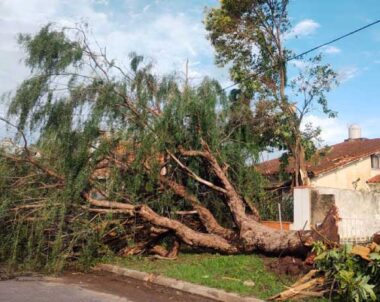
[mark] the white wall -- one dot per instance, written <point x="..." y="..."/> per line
<point x="359" y="211"/>
<point x="301" y="208"/>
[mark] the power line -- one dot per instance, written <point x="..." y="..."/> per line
<point x="315" y="48"/>
<point x="335" y="40"/>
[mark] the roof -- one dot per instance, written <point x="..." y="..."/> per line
<point x="329" y="159"/>
<point x="374" y="180"/>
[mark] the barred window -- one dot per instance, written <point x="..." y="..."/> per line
<point x="375" y="161"/>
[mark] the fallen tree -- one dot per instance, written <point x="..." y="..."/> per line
<point x="128" y="161"/>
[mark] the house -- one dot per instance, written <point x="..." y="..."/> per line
<point x="346" y="175"/>
<point x="352" y="164"/>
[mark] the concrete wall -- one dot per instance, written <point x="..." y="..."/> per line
<point x="320" y="205"/>
<point x="374" y="187"/>
<point x="359" y="211"/>
<point x="343" y="178"/>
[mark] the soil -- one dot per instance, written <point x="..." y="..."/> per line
<point x="288" y="266"/>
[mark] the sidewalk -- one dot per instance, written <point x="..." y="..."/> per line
<point x="203" y="291"/>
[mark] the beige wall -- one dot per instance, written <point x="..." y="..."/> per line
<point x="343" y="177"/>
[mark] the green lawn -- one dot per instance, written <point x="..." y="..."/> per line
<point x="224" y="272"/>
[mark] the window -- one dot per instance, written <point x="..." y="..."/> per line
<point x="375" y="161"/>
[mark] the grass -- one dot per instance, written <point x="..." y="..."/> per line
<point x="213" y="270"/>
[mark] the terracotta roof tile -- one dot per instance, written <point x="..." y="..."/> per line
<point x="336" y="156"/>
<point x="374" y="180"/>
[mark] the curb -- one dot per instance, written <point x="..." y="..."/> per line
<point x="203" y="291"/>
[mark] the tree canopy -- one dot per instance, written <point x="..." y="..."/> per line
<point x="250" y="36"/>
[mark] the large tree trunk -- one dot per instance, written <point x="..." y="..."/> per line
<point x="251" y="237"/>
<point x="301" y="177"/>
<point x="248" y="235"/>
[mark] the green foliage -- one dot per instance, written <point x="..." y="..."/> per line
<point x="243" y="34"/>
<point x="312" y="83"/>
<point x="50" y="51"/>
<point x="96" y="108"/>
<point x="351" y="277"/>
<point x="249" y="37"/>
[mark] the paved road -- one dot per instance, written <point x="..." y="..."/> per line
<point x="92" y="287"/>
<point x="38" y="291"/>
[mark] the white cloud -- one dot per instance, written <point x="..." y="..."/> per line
<point x="336" y="130"/>
<point x="168" y="37"/>
<point x="268" y="155"/>
<point x="333" y="130"/>
<point x="146" y="7"/>
<point x="102" y="2"/>
<point x="347" y="73"/>
<point x="303" y="28"/>
<point x="18" y="16"/>
<point x="331" y="50"/>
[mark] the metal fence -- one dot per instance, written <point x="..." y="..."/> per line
<point x="351" y="229"/>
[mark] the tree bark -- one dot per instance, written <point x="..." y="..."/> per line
<point x="186" y="234"/>
<point x="253" y="236"/>
<point x="206" y="217"/>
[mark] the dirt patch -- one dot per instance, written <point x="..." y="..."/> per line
<point x="288" y="266"/>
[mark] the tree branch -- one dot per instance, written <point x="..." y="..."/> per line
<point x="127" y="208"/>
<point x="183" y="232"/>
<point x="195" y="176"/>
<point x="186" y="234"/>
<point x="206" y="217"/>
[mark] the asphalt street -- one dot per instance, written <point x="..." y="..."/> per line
<point x="90" y="287"/>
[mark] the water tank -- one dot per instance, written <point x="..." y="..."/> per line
<point x="354" y="132"/>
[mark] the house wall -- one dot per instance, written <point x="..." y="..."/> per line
<point x="359" y="211"/>
<point x="343" y="178"/>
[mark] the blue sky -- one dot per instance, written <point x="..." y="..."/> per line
<point x="357" y="57"/>
<point x="171" y="31"/>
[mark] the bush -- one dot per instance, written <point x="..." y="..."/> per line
<point x="350" y="276"/>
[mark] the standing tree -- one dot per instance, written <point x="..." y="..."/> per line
<point x="126" y="160"/>
<point x="249" y="35"/>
